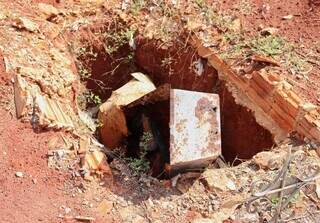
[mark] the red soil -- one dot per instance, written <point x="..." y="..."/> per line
<point x="4" y="77"/>
<point x="21" y="149"/>
<point x="52" y="2"/>
<point x="303" y="29"/>
<point x="39" y="194"/>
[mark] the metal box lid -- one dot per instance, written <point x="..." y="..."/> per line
<point x="195" y="132"/>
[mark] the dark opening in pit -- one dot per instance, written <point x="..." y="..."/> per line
<point x="242" y="136"/>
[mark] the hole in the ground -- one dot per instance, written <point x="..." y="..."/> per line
<point x="242" y="136"/>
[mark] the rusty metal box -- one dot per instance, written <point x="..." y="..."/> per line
<point x="195" y="132"/>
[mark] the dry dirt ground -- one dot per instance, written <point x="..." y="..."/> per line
<point x="44" y="194"/>
<point x="303" y="30"/>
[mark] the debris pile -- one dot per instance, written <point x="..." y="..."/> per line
<point x="195" y="138"/>
<point x="271" y="198"/>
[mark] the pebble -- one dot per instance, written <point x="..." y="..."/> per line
<point x="76" y="174"/>
<point x="170" y="207"/>
<point x="19" y="174"/>
<point x="210" y="209"/>
<point x="85" y="202"/>
<point x="150" y="203"/>
<point x="67" y="210"/>
<point x="60" y="153"/>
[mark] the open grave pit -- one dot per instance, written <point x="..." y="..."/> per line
<point x="182" y="68"/>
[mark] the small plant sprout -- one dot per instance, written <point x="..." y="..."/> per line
<point x="141" y="164"/>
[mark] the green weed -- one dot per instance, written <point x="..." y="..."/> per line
<point x="95" y="99"/>
<point x="296" y="63"/>
<point x="136" y="6"/>
<point x="200" y="3"/>
<point x="85" y="51"/>
<point x="230" y="37"/>
<point x="166" y="61"/>
<point x="245" y="7"/>
<point x="141" y="164"/>
<point x="271" y="46"/>
<point x="87" y="98"/>
<point x="83" y="72"/>
<point x="113" y="41"/>
<point x="268" y="45"/>
<point x="280" y="49"/>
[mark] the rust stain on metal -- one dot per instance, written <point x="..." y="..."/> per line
<point x="195" y="136"/>
<point x="181" y="125"/>
<point x="206" y="113"/>
<point x="202" y="107"/>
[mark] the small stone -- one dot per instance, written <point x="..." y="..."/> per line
<point x="60" y="153"/>
<point x="170" y="207"/>
<point x="105" y="206"/>
<point x="219" y="179"/>
<point x="287" y="17"/>
<point x="88" y="177"/>
<point x="67" y="210"/>
<point x="129" y="215"/>
<point x="19" y="174"/>
<point x="270" y="159"/>
<point x="25" y="23"/>
<point x="85" y="202"/>
<point x="48" y="10"/>
<point x="84" y="218"/>
<point x="308" y="107"/>
<point x="77" y="174"/>
<point x="269" y="31"/>
<point x="210" y="209"/>
<point x="318" y="187"/>
<point x="34" y="181"/>
<point x="202" y="220"/>
<point x="150" y="202"/>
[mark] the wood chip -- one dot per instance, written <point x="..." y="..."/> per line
<point x="264" y="59"/>
<point x="287" y="17"/>
<point x="84" y="218"/>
